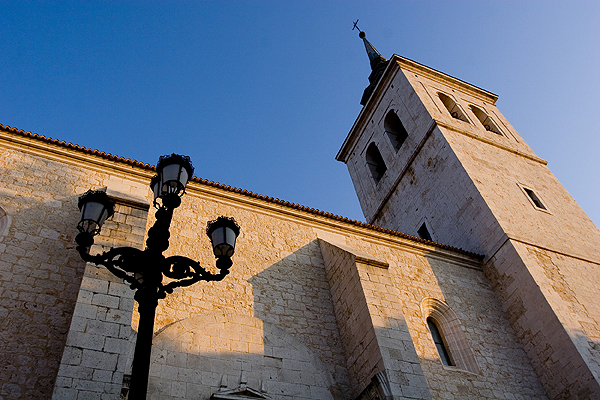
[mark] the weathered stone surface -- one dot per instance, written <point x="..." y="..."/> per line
<point x="467" y="184"/>
<point x="315" y="307"/>
<point x="271" y="323"/>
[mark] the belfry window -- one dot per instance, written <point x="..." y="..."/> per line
<point x="375" y="162"/>
<point x="439" y="342"/>
<point x="453" y="108"/>
<point x="487" y="122"/>
<point x="395" y="130"/>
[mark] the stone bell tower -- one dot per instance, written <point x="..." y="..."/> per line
<point x="431" y="155"/>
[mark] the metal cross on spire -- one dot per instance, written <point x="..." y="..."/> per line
<point x="361" y="34"/>
<point x="371" y="51"/>
<point x="377" y="61"/>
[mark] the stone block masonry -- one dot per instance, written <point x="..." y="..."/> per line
<point x="99" y="345"/>
<point x="305" y="290"/>
<point x="40" y="271"/>
<point x="373" y="330"/>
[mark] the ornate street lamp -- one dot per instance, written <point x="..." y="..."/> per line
<point x="144" y="270"/>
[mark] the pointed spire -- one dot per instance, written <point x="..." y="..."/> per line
<point x="378" y="64"/>
<point x="374" y="57"/>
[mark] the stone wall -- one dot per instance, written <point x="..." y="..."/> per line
<point x="373" y="330"/>
<point x="270" y="327"/>
<point x="100" y="339"/>
<point x="40" y="271"/>
<point x="279" y="276"/>
<point x="558" y="249"/>
<point x="503" y="371"/>
<point x="468" y="185"/>
<point x="556" y="321"/>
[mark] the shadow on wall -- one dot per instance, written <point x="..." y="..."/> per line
<point x="39" y="281"/>
<point x="288" y="350"/>
<point x="201" y="355"/>
<point x="478" y="333"/>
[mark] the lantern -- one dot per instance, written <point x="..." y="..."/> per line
<point x="96" y="207"/>
<point x="173" y="173"/>
<point x="222" y="233"/>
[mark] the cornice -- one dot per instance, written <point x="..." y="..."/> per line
<point x="440" y="77"/>
<point x="493" y="143"/>
<point x="75" y="154"/>
<point x="72" y="154"/>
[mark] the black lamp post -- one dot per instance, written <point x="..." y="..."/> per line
<point x="144" y="270"/>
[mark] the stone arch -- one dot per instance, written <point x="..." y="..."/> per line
<point x="207" y="354"/>
<point x="453" y="108"/>
<point x="452" y="332"/>
<point x="488" y="123"/>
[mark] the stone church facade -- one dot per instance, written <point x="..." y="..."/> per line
<point x="488" y="295"/>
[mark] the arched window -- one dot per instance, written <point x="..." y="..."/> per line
<point x="487" y="122"/>
<point x="453" y="108"/>
<point x="439" y="342"/>
<point x="4" y="222"/>
<point x="394" y="129"/>
<point x="375" y="162"/>
<point x="448" y="336"/>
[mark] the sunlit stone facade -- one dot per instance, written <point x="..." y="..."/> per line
<point x="315" y="306"/>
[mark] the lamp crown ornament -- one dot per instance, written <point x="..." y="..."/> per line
<point x="222" y="221"/>
<point x="185" y="161"/>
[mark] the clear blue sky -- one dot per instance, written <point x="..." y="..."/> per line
<point x="261" y="94"/>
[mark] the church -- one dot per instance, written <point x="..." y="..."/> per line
<point x="472" y="277"/>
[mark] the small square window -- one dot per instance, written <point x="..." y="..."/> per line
<point x="534" y="198"/>
<point x="423" y="233"/>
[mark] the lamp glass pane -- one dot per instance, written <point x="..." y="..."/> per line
<point x="170" y="187"/>
<point x="220" y="246"/>
<point x="93" y="211"/>
<point x="170" y="172"/>
<point x="88" y="226"/>
<point x="155" y="189"/>
<point x="217" y="237"/>
<point x="184" y="177"/>
<point x="230" y="237"/>
<point x="103" y="217"/>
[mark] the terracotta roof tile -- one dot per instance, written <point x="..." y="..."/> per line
<point x="244" y="192"/>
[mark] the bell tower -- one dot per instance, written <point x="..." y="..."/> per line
<point x="431" y="155"/>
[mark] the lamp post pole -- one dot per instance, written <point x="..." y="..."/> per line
<point x="144" y="270"/>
